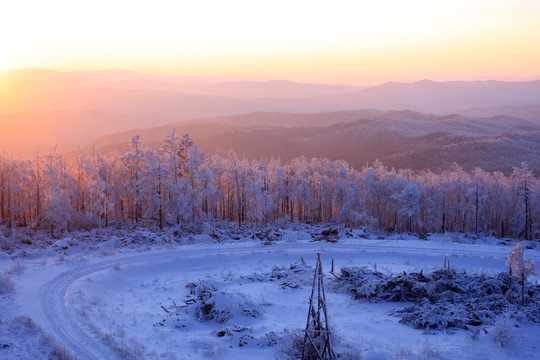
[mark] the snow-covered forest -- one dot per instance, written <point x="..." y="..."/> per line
<point x="178" y="184"/>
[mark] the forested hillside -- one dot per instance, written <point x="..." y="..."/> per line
<point x="179" y="184"/>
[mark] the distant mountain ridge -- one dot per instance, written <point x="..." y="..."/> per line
<point x="452" y="96"/>
<point x="40" y="109"/>
<point x="187" y="94"/>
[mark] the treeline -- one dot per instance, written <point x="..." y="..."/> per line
<point x="179" y="184"/>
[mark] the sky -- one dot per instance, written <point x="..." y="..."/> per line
<point x="350" y="42"/>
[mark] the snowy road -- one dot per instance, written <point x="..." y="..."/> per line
<point x="54" y="304"/>
<point x="54" y="295"/>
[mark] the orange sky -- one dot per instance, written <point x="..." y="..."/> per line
<point x="353" y="42"/>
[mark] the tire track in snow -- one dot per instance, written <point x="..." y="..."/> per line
<point x="54" y="295"/>
<point x="54" y="298"/>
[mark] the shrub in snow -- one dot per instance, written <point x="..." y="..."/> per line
<point x="64" y="244"/>
<point x="129" y="349"/>
<point x="270" y="339"/>
<point x="350" y="354"/>
<point x="23" y="324"/>
<point x="502" y="332"/>
<point x="59" y="353"/>
<point x="207" y="349"/>
<point x="404" y="287"/>
<point x="15" y="269"/>
<point x="15" y="240"/>
<point x="361" y="282"/>
<point x="426" y="315"/>
<point x="289" y="276"/>
<point x="292" y="236"/>
<point x="330" y="234"/>
<point x="231" y="330"/>
<point x="430" y="352"/>
<point x="244" y="340"/>
<point x="268" y="234"/>
<point x="291" y="346"/>
<point x="216" y="307"/>
<point x="6" y="284"/>
<point x="4" y="243"/>
<point x="443" y="298"/>
<point x="220" y="306"/>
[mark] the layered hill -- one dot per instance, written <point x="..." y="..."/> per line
<point x="499" y="153"/>
<point x="398" y="138"/>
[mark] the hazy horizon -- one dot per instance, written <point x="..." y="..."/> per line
<point x="217" y="78"/>
<point x="348" y="42"/>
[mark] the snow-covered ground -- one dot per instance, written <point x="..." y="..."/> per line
<point x="138" y="300"/>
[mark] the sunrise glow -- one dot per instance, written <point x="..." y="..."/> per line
<point x="343" y="41"/>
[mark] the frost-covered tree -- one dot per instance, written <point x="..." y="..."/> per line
<point x="477" y="198"/>
<point x="57" y="210"/>
<point x="99" y="177"/>
<point x="237" y="172"/>
<point x="409" y="199"/>
<point x="5" y="191"/>
<point x="192" y="181"/>
<point x="173" y="161"/>
<point x="151" y="184"/>
<point x="523" y="181"/>
<point x="256" y="190"/>
<point x="520" y="267"/>
<point x="133" y="160"/>
<point x="178" y="183"/>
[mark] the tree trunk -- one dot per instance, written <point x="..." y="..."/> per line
<point x="2" y="197"/>
<point x="38" y="195"/>
<point x="443" y="228"/>
<point x="522" y="288"/>
<point x="476" y="212"/>
<point x="509" y="277"/>
<point x="527" y="211"/>
<point x="106" y="213"/>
